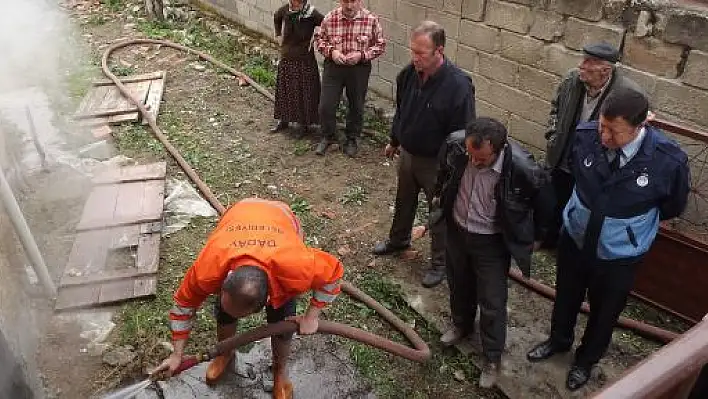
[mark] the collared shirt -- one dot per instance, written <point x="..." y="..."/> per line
<point x="590" y="103"/>
<point x="361" y="33"/>
<point x="476" y="205"/>
<point x="630" y="149"/>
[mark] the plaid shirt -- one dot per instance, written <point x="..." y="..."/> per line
<point x="361" y="33"/>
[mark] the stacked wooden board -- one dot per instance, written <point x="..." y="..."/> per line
<point x="105" y="105"/>
<point x="115" y="256"/>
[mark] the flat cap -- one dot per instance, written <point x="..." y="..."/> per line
<point x="603" y="51"/>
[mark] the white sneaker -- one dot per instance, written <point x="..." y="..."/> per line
<point x="452" y="336"/>
<point x="490" y="375"/>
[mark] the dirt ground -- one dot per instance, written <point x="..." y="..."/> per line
<point x="345" y="204"/>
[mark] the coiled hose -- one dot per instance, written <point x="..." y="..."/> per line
<point x="420" y="351"/>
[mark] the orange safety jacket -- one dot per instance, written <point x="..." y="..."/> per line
<point x="260" y="233"/>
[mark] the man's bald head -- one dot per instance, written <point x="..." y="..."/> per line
<point x="244" y="291"/>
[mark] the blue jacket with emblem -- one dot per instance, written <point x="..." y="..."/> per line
<point x="619" y="213"/>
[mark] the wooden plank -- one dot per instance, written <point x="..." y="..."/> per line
<point x="138" y="90"/>
<point x="154" y="97"/>
<point x="116" y="291"/>
<point x="106" y="112"/>
<point x="113" y="275"/>
<point x="124" y="236"/>
<point x="88" y="254"/>
<point x="77" y="297"/>
<point x="148" y="253"/>
<point x="146" y="286"/>
<point x="92" y="99"/>
<point x="151" y="171"/>
<point x="99" y="208"/>
<point x="154" y="199"/>
<point x="131" y="79"/>
<point x="149" y="228"/>
<point x="129" y="205"/>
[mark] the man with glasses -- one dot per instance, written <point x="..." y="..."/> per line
<point x="629" y="176"/>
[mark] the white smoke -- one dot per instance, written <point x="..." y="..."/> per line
<point x="37" y="44"/>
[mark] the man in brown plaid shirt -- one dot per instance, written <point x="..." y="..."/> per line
<point x="349" y="38"/>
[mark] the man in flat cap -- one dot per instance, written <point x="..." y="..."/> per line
<point x="578" y="99"/>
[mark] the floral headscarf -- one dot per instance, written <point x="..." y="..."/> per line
<point x="304" y="12"/>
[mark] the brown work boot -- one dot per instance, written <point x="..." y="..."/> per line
<point x="283" y="390"/>
<point x="220" y="363"/>
<point x="216" y="368"/>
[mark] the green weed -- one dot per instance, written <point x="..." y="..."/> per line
<point x="355" y="195"/>
<point x="114" y="5"/>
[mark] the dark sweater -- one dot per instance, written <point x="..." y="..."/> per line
<point x="296" y="34"/>
<point x="427" y="113"/>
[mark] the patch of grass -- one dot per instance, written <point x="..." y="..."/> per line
<point x="301" y="147"/>
<point x="96" y="20"/>
<point x="300" y="207"/>
<point x="122" y="70"/>
<point x="114" y="5"/>
<point x="260" y="68"/>
<point x="421" y="212"/>
<point x="355" y="195"/>
<point x="389" y="375"/>
<point x="134" y="140"/>
<point x="196" y="34"/>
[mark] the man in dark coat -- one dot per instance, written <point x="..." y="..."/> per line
<point x="495" y="203"/>
<point x="629" y="177"/>
<point x="577" y="100"/>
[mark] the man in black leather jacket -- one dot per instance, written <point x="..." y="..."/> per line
<point x="494" y="201"/>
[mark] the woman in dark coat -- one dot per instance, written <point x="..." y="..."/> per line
<point x="297" y="91"/>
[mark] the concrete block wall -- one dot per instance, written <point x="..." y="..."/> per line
<point x="517" y="51"/>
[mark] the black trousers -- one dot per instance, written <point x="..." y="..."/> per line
<point x="563" y="183"/>
<point x="415" y="174"/>
<point x="477" y="267"/>
<point x="607" y="284"/>
<point x="335" y="78"/>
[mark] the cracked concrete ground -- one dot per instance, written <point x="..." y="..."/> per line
<point x="318" y="369"/>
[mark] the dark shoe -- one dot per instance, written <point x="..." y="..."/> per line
<point x="577" y="377"/>
<point x="322" y="146"/>
<point x="433" y="277"/>
<point x="280" y="127"/>
<point x="385" y="248"/>
<point x="350" y="148"/>
<point x="543" y="351"/>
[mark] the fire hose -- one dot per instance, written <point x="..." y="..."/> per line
<point x="420" y="351"/>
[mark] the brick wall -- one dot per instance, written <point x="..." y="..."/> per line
<point x="517" y="51"/>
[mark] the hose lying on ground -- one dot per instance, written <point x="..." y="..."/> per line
<point x="421" y="352"/>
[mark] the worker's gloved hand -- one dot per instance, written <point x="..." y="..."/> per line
<point x="169" y="365"/>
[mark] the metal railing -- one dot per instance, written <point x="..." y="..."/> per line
<point x="671" y="372"/>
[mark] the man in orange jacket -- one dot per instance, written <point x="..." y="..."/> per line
<point x="254" y="258"/>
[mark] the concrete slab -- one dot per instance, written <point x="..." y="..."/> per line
<point x="319" y="368"/>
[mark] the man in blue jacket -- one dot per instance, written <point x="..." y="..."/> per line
<point x="629" y="177"/>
